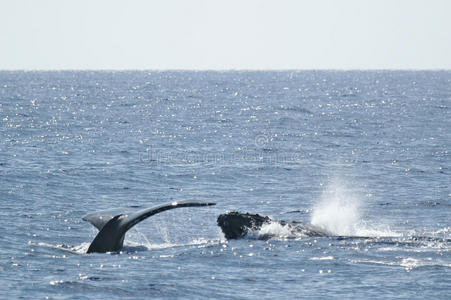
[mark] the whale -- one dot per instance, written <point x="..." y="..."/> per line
<point x="113" y="224"/>
<point x="236" y="225"/>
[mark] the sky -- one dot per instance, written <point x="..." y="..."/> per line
<point x="224" y="35"/>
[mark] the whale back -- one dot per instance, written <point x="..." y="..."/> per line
<point x="236" y="225"/>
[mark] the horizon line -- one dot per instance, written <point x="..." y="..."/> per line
<point x="223" y="70"/>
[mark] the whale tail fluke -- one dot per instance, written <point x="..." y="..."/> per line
<point x="113" y="225"/>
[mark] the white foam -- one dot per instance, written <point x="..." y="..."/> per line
<point x="322" y="258"/>
<point x="408" y="263"/>
<point x="129" y="245"/>
<point x="200" y="243"/>
<point x="445" y="231"/>
<point x="275" y="229"/>
<point x="79" y="249"/>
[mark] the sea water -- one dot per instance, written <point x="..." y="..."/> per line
<point x="364" y="155"/>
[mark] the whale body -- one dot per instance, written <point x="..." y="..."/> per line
<point x="114" y="224"/>
<point x="236" y="225"/>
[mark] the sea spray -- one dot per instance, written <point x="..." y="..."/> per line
<point x="338" y="211"/>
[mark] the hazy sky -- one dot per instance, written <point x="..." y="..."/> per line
<point x="227" y="34"/>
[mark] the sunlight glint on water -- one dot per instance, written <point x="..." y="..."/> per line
<point x="262" y="142"/>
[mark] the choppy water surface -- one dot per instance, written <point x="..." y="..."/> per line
<point x="364" y="155"/>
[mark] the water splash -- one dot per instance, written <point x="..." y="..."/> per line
<point x="275" y="229"/>
<point x="340" y="210"/>
<point x="78" y="249"/>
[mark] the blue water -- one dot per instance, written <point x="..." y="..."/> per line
<point x="365" y="155"/>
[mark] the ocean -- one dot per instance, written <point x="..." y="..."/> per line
<point x="365" y="155"/>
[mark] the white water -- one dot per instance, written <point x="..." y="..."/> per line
<point x="277" y="230"/>
<point x="340" y="212"/>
